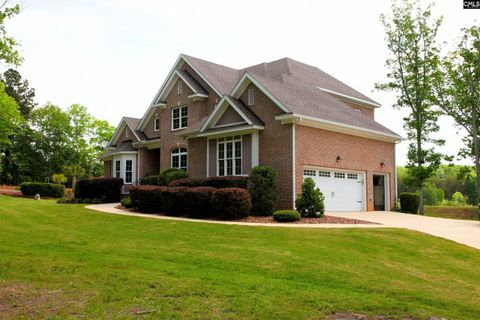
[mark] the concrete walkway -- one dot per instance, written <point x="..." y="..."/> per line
<point x="110" y="208"/>
<point x="462" y="231"/>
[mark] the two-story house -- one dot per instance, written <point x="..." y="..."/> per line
<point x="212" y="120"/>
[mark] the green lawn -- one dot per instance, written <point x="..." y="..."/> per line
<point x="66" y="261"/>
<point x="463" y="213"/>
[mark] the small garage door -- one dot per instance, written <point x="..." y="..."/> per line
<point x="343" y="191"/>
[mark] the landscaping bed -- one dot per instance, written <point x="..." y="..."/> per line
<point x="464" y="212"/>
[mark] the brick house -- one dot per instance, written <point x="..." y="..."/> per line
<point x="213" y="120"/>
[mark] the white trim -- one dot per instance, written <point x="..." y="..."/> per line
<point x="364" y="182"/>
<point x="294" y="173"/>
<point x="155" y="128"/>
<point x="197" y="96"/>
<point x="150" y="144"/>
<point x="228" y="124"/>
<point x="179" y="118"/>
<point x="351" y="99"/>
<point x="386" y="189"/>
<point x="337" y="127"/>
<point x="218" y="112"/>
<point x="180" y="85"/>
<point x="179" y="155"/>
<point x="118" y="131"/>
<point x="237" y="130"/>
<point x="208" y="157"/>
<point x="245" y="81"/>
<point x="250" y="97"/>
<point x="255" y="149"/>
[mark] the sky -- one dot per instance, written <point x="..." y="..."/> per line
<point x="113" y="55"/>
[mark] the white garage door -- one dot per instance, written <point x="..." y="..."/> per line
<point x="343" y="191"/>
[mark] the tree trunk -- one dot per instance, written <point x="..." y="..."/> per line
<point x="74" y="182"/>
<point x="421" y="203"/>
<point x="476" y="155"/>
<point x="420" y="164"/>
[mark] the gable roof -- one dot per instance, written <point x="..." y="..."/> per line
<point x="131" y="123"/>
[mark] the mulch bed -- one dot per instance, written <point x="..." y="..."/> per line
<point x="269" y="219"/>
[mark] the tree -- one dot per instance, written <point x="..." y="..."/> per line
<point x="74" y="171"/>
<point x="458" y="93"/>
<point x="19" y="89"/>
<point x="413" y="63"/>
<point x="8" y="45"/>
<point x="310" y="202"/>
<point x="9" y="120"/>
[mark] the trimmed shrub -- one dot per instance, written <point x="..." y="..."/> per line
<point x="286" y="216"/>
<point x="263" y="187"/>
<point x="43" y="189"/>
<point x="226" y="182"/>
<point x="173" y="201"/>
<point x="187" y="182"/>
<point x="231" y="203"/>
<point x="458" y="199"/>
<point x="409" y="202"/>
<point x="170" y="174"/>
<point x="148" y="199"/>
<point x="198" y="202"/>
<point x="150" y="180"/>
<point x="310" y="202"/>
<point x="127" y="203"/>
<point x="106" y="189"/>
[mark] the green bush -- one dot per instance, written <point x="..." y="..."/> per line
<point x="187" y="182"/>
<point x="263" y="187"/>
<point x="433" y="196"/>
<point x="458" y="199"/>
<point x="59" y="178"/>
<point x="150" y="180"/>
<point x="107" y="189"/>
<point x="231" y="203"/>
<point x="148" y="198"/>
<point x="127" y="203"/>
<point x="310" y="202"/>
<point x="173" y="201"/>
<point x="286" y="216"/>
<point x="170" y="174"/>
<point x="43" y="189"/>
<point x="215" y="182"/>
<point x="409" y="202"/>
<point x="198" y="202"/>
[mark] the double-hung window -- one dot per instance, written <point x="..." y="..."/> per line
<point x="179" y="118"/>
<point x="117" y="169"/>
<point x="128" y="171"/>
<point x="229" y="156"/>
<point x="179" y="158"/>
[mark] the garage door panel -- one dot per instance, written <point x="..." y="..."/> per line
<point x="343" y="191"/>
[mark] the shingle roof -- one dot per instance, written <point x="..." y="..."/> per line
<point x="296" y="85"/>
<point x="197" y="88"/>
<point x="132" y="123"/>
<point x="247" y="112"/>
<point x="124" y="146"/>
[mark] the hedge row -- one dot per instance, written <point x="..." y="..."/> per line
<point x="196" y="202"/>
<point x="106" y="189"/>
<point x="43" y="189"/>
<point x="409" y="202"/>
<point x="215" y="182"/>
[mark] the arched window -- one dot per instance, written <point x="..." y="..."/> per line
<point x="179" y="158"/>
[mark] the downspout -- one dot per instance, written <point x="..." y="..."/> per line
<point x="293" y="165"/>
<point x="396" y="175"/>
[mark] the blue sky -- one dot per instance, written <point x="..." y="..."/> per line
<point x="112" y="56"/>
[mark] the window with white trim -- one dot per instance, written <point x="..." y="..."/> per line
<point x="179" y="87"/>
<point x="126" y="132"/>
<point x="229" y="156"/>
<point x="128" y="171"/>
<point x="117" y="169"/>
<point x="251" y="96"/>
<point x="325" y="174"/>
<point x="352" y="176"/>
<point x="156" y="123"/>
<point x="179" y="117"/>
<point x="310" y="173"/>
<point x="179" y="158"/>
<point x="339" y="175"/>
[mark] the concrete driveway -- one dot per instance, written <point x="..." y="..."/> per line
<point x="461" y="231"/>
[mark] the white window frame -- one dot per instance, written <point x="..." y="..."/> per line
<point x="179" y="154"/>
<point x="128" y="171"/>
<point x="179" y="87"/>
<point x="156" y="123"/>
<point x="118" y="169"/>
<point x="180" y="117"/>
<point x="251" y="96"/>
<point x="223" y="141"/>
<point x="126" y="132"/>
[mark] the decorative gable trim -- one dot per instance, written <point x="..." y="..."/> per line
<point x="347" y="98"/>
<point x="243" y="83"/>
<point x="219" y="110"/>
<point x="118" y="131"/>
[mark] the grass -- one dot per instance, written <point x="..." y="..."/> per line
<point x="464" y="213"/>
<point x="65" y="261"/>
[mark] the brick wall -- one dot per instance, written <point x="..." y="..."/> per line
<point x="197" y="160"/>
<point x="317" y="147"/>
<point x="107" y="169"/>
<point x="275" y="144"/>
<point x="149" y="162"/>
<point x="149" y="128"/>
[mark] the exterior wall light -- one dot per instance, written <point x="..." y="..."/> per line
<point x="382" y="164"/>
<point x="339" y="159"/>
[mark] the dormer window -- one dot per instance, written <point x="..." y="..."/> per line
<point x="156" y="123"/>
<point x="179" y="87"/>
<point x="251" y="96"/>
